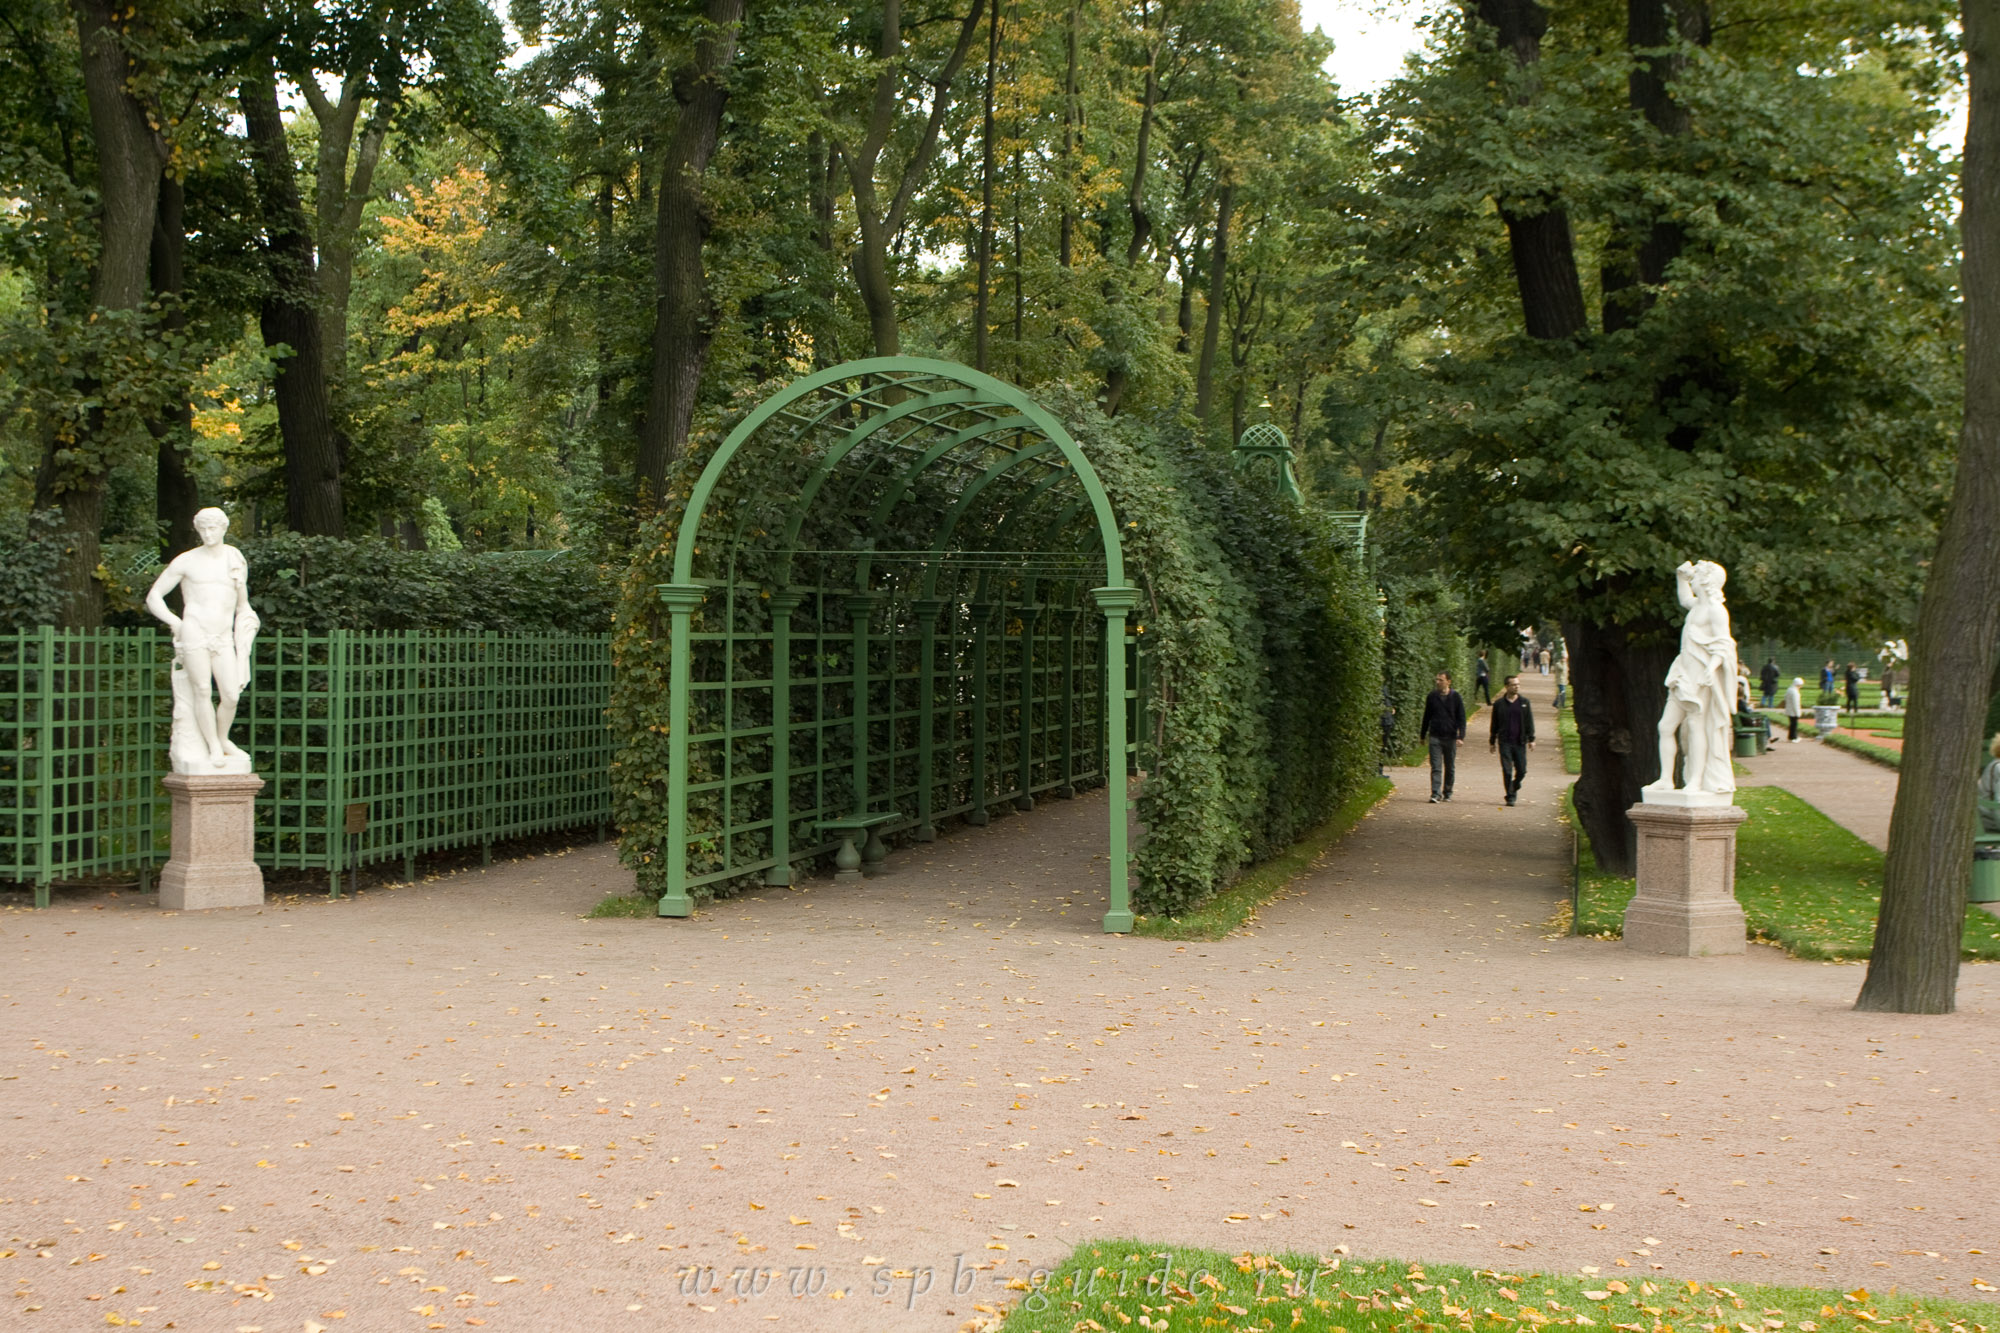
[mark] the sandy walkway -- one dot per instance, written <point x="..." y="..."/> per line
<point x="457" y="1104"/>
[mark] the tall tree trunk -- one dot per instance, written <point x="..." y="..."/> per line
<point x="1538" y="230"/>
<point x="339" y="201"/>
<point x="1066" y="228"/>
<point x="982" y="302"/>
<point x="1651" y="29"/>
<point x="685" y="312"/>
<point x="314" y="449"/>
<point x="1218" y="274"/>
<point x="1617" y="675"/>
<point x="822" y="170"/>
<point x="1117" y="373"/>
<point x="130" y="157"/>
<point x="1913" y="968"/>
<point x="877" y="227"/>
<point x="175" y="495"/>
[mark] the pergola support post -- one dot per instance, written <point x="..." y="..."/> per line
<point x="1115" y="603"/>
<point x="926" y="610"/>
<point x="1068" y="618"/>
<point x="681" y="600"/>
<point x="1024" y="799"/>
<point x="982" y="615"/>
<point x="783" y="603"/>
<point x="860" y="605"/>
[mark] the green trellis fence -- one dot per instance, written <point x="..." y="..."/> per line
<point x="441" y="740"/>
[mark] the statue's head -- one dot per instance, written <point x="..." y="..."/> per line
<point x="210" y="524"/>
<point x="1708" y="577"/>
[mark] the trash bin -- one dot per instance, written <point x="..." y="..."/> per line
<point x="1986" y="869"/>
<point x="1746" y="742"/>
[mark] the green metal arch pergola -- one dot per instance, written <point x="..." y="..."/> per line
<point x="821" y="475"/>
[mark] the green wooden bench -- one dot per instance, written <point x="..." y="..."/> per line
<point x="851" y="864"/>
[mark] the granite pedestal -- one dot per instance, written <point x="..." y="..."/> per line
<point x="212" y="861"/>
<point x="1686" y="900"/>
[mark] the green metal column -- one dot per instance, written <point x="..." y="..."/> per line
<point x="859" y="606"/>
<point x="782" y="605"/>
<point x="926" y="610"/>
<point x="45" y="766"/>
<point x="1024" y="799"/>
<point x="1067" y="617"/>
<point x="1115" y="602"/>
<point x="982" y="615"/>
<point x="681" y="600"/>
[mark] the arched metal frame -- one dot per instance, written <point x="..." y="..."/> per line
<point x="1010" y="474"/>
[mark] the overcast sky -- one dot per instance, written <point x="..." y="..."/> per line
<point x="1370" y="38"/>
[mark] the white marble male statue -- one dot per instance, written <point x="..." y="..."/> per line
<point x="1701" y="695"/>
<point x="212" y="640"/>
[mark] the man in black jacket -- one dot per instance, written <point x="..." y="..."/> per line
<point x="1767" y="682"/>
<point x="1513" y="735"/>
<point x="1444" y="729"/>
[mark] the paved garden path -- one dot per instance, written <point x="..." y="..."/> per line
<point x="458" y="1104"/>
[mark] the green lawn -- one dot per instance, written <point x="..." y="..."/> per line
<point x="1236" y="904"/>
<point x="1135" y="1286"/>
<point x="1805" y="883"/>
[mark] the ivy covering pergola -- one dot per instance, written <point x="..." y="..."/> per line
<point x="898" y="597"/>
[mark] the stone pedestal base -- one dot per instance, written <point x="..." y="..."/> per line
<point x="212" y="862"/>
<point x="1686" y="902"/>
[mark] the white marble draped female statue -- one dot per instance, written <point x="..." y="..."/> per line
<point x="212" y="640"/>
<point x="1701" y="695"/>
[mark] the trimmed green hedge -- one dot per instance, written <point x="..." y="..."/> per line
<point x="322" y="583"/>
<point x="1266" y="655"/>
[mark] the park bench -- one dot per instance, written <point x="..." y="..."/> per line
<point x="850" y="864"/>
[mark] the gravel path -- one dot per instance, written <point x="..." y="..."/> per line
<point x="457" y="1104"/>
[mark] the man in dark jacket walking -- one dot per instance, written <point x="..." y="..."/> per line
<point x="1513" y="735"/>
<point x="1444" y="730"/>
<point x="1767" y="681"/>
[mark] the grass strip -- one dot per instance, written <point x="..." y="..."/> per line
<point x="625" y="905"/>
<point x="1874" y="754"/>
<point x="1806" y="884"/>
<point x="1129" y="1285"/>
<point x="1572" y="743"/>
<point x="1258" y="885"/>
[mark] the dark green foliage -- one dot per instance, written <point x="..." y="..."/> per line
<point x="323" y="583"/>
<point x="1268" y="656"/>
<point x="30" y="562"/>
<point x="1422" y="635"/>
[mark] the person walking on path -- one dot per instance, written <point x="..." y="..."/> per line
<point x="1562" y="680"/>
<point x="1512" y="735"/>
<point x="1482" y="678"/>
<point x="1852" y="679"/>
<point x="1792" y="709"/>
<point x="1443" y="729"/>
<point x="1546" y="658"/>
<point x="1767" y="681"/>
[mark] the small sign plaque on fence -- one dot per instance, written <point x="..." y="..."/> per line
<point x="357" y="817"/>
